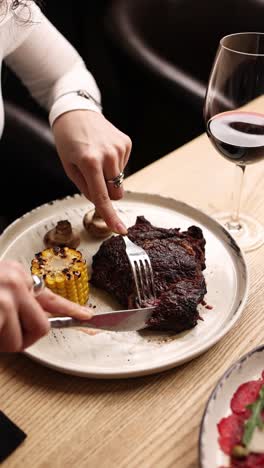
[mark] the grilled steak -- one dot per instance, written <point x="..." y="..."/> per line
<point x="177" y="258"/>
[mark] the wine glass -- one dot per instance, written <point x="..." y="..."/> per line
<point x="234" y="117"/>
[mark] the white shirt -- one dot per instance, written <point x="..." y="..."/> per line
<point x="45" y="61"/>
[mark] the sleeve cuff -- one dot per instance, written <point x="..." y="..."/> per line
<point x="69" y="103"/>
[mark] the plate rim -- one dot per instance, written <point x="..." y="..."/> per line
<point x="233" y="367"/>
<point x="108" y="373"/>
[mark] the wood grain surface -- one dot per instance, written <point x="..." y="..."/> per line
<point x="151" y="421"/>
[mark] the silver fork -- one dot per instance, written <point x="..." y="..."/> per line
<point x="142" y="271"/>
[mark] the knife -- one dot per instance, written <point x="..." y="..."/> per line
<point x="118" y="320"/>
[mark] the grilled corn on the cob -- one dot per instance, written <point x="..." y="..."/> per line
<point x="64" y="271"/>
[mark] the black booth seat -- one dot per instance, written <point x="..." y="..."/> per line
<point x="169" y="47"/>
<point x="31" y="170"/>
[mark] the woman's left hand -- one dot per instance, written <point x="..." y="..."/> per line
<point x="93" y="151"/>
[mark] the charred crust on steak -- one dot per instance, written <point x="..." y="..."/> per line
<point x="178" y="261"/>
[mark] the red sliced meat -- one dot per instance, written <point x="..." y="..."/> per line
<point x="252" y="461"/>
<point x="246" y="394"/>
<point x="231" y="428"/>
<point x="230" y="432"/>
<point x="256" y="460"/>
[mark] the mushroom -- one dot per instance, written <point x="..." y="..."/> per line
<point x="94" y="224"/>
<point x="62" y="235"/>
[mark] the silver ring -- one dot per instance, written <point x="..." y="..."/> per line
<point x="117" y="181"/>
<point x="38" y="285"/>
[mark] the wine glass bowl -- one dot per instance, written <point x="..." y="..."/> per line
<point x="234" y="124"/>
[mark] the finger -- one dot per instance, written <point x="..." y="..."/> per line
<point x="59" y="306"/>
<point x="115" y="193"/>
<point x="2" y="322"/>
<point x="76" y="176"/>
<point x="11" y="334"/>
<point x="112" y="168"/>
<point x="33" y="320"/>
<point x="14" y="276"/>
<point x="128" y="148"/>
<point x="89" y="331"/>
<point x="101" y="200"/>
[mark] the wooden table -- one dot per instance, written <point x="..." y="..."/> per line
<point x="151" y="421"/>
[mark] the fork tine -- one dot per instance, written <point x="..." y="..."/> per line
<point x="142" y="271"/>
<point x="142" y="278"/>
<point x="136" y="279"/>
<point x="151" y="275"/>
<point x="145" y="265"/>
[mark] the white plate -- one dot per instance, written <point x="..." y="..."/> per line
<point x="114" y="355"/>
<point x="248" y="367"/>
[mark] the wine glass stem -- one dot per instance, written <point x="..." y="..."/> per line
<point x="234" y="223"/>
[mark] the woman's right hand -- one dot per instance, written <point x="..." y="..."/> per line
<point x="24" y="317"/>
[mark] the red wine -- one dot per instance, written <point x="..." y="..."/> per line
<point x="238" y="136"/>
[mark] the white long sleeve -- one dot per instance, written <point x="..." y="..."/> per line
<point x="47" y="63"/>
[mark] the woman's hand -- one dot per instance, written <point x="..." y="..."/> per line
<point x="23" y="317"/>
<point x="93" y="151"/>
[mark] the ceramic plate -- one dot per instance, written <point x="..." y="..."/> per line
<point x="248" y="367"/>
<point x="114" y="355"/>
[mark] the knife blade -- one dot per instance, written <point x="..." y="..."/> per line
<point x="119" y="320"/>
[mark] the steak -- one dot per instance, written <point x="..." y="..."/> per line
<point x="178" y="260"/>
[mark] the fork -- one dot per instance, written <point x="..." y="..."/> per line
<point x="142" y="272"/>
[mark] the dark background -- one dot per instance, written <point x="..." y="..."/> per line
<point x="158" y="114"/>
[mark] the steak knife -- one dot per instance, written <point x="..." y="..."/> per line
<point x="118" y="320"/>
